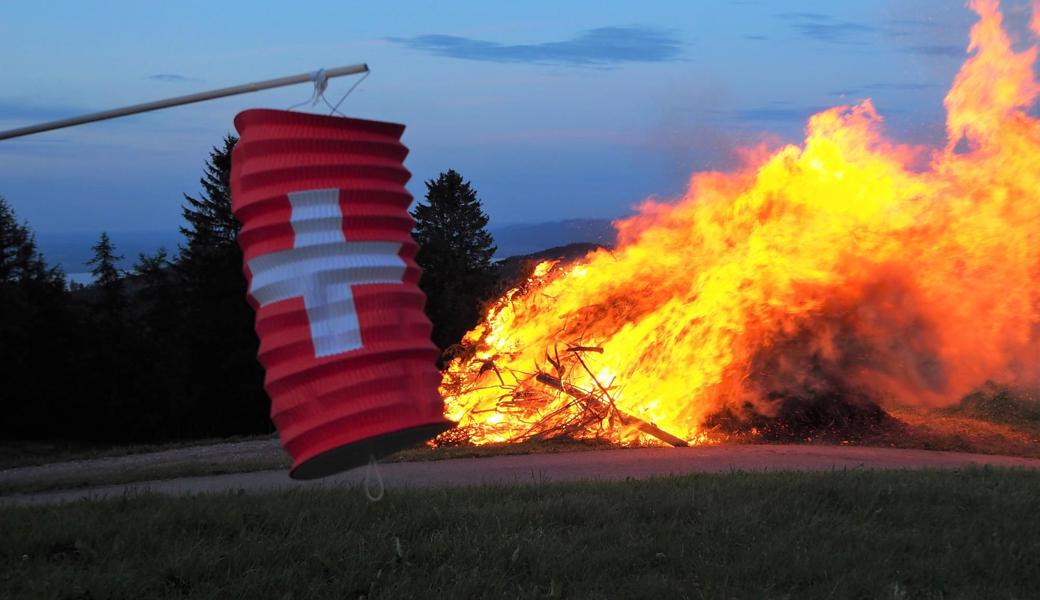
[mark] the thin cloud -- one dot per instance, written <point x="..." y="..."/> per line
<point x="778" y="112"/>
<point x="605" y="46"/>
<point x="870" y="88"/>
<point x="825" y="28"/>
<point x="911" y="28"/>
<point x="34" y="147"/>
<point x="17" y="110"/>
<point x="948" y="51"/>
<point x="922" y="23"/>
<point x="171" y="78"/>
<point x="803" y="16"/>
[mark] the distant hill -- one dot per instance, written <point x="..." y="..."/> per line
<point x="527" y="238"/>
<point x="511" y="270"/>
<point x="72" y="250"/>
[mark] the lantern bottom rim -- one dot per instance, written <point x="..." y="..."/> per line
<point x="356" y="454"/>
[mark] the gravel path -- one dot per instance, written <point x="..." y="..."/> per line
<point x="540" y="468"/>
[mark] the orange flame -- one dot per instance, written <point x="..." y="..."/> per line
<point x="848" y="260"/>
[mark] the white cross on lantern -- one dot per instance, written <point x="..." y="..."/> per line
<point x="321" y="267"/>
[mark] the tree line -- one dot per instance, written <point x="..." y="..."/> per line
<point x="168" y="349"/>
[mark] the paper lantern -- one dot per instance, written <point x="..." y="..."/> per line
<point x="329" y="257"/>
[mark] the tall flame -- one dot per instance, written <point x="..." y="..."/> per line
<point x="848" y="262"/>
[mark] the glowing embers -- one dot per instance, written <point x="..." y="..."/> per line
<point x="547" y="403"/>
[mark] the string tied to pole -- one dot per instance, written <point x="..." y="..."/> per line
<point x="321" y="83"/>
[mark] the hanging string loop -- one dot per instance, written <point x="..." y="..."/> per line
<point x="374" y="487"/>
<point x="335" y="109"/>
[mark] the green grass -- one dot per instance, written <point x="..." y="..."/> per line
<point x="855" y="534"/>
<point x="996" y="404"/>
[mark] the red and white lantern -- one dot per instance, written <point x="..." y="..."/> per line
<point x="329" y="257"/>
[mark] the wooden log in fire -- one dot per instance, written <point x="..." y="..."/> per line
<point x="601" y="408"/>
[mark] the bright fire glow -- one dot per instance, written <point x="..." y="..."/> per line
<point x="848" y="261"/>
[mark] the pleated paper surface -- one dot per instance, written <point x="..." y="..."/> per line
<point x="329" y="257"/>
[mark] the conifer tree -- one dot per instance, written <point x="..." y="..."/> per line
<point x="20" y="261"/>
<point x="219" y="337"/>
<point x="157" y="293"/>
<point x="35" y="326"/>
<point x="107" y="276"/>
<point x="455" y="252"/>
<point x="211" y="227"/>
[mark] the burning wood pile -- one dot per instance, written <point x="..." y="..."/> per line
<point x="550" y="407"/>
<point x="823" y="279"/>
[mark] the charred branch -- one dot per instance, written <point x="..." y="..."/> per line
<point x="603" y="409"/>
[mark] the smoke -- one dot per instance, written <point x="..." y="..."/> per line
<point x="833" y="370"/>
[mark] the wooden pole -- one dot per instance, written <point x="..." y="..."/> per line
<point x="181" y="100"/>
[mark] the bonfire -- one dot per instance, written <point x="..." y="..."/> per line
<point x="829" y="278"/>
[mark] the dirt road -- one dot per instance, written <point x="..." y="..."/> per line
<point x="222" y="453"/>
<point x="541" y="468"/>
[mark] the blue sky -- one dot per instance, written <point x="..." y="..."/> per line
<point x="553" y="110"/>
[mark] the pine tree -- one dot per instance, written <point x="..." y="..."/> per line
<point x="211" y="226"/>
<point x="225" y="379"/>
<point x="107" y="276"/>
<point x="112" y="360"/>
<point x="35" y="325"/>
<point x="153" y="266"/>
<point x="455" y="252"/>
<point x="158" y="374"/>
<point x="20" y="261"/>
<point x="157" y="293"/>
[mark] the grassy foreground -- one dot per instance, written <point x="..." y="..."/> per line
<point x="855" y="534"/>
